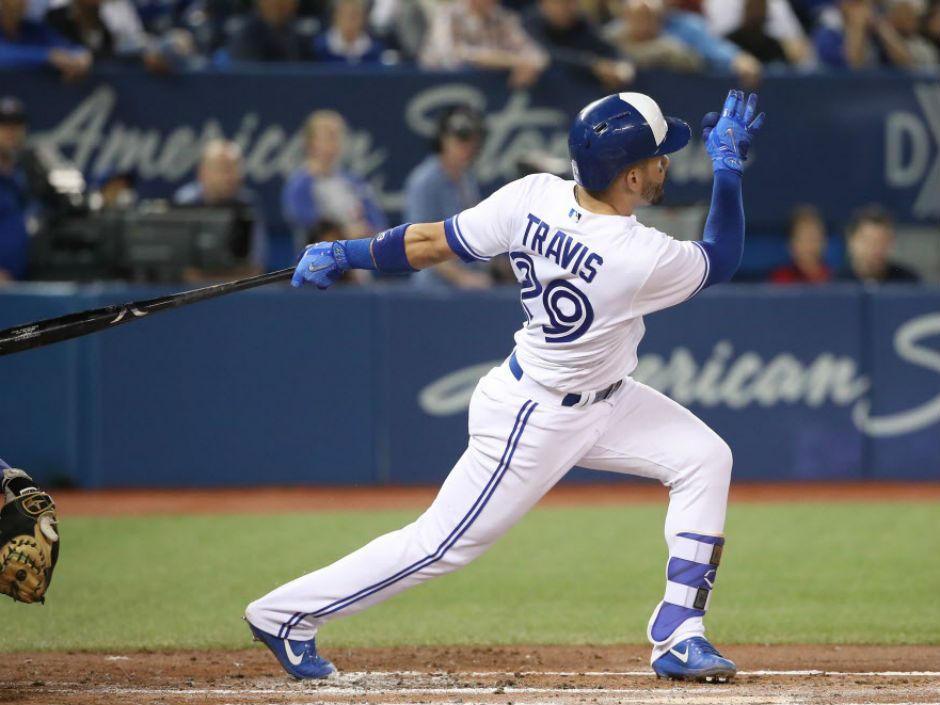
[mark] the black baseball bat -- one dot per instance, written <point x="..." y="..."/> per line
<point x="73" y="325"/>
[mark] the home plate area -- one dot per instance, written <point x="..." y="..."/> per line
<point x="429" y="675"/>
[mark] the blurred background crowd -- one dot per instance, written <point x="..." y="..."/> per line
<point x="605" y="43"/>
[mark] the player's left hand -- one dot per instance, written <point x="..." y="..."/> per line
<point x="321" y="265"/>
<point x="728" y="137"/>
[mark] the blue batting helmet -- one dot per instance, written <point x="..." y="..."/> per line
<point x="624" y="128"/>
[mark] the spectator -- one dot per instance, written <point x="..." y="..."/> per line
<point x="599" y="12"/>
<point x="114" y="190"/>
<point x="14" y="198"/>
<point x="574" y="44"/>
<point x="807" y="11"/>
<point x="112" y="30"/>
<point x="807" y="246"/>
<point x="220" y="184"/>
<point x="347" y="41"/>
<point x="271" y="34"/>
<point x="484" y="34"/>
<point x="26" y="43"/>
<point x="718" y="53"/>
<point x="443" y="185"/>
<point x="214" y="22"/>
<point x="320" y="189"/>
<point x="638" y="33"/>
<point x="906" y="17"/>
<point x="870" y="241"/>
<point x="402" y="23"/>
<point x="853" y="35"/>
<point x="767" y="29"/>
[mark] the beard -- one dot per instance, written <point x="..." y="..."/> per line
<point x="654" y="193"/>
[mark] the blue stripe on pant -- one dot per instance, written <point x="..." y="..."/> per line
<point x="522" y="418"/>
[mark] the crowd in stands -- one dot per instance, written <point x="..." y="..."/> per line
<point x="601" y="41"/>
<point x="869" y="238"/>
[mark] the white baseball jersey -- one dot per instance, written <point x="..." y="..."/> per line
<point x="587" y="279"/>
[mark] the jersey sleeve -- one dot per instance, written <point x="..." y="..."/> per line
<point x="677" y="273"/>
<point x="486" y="230"/>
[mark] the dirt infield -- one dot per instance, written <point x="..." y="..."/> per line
<point x="300" y="499"/>
<point x="506" y="675"/>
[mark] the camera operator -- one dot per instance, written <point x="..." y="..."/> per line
<point x="219" y="183"/>
<point x="15" y="202"/>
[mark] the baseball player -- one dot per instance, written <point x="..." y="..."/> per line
<point x="589" y="272"/>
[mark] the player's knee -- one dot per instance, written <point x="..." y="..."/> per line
<point x="254" y="611"/>
<point x="718" y="461"/>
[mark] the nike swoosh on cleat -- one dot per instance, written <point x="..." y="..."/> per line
<point x="682" y="657"/>
<point x="294" y="658"/>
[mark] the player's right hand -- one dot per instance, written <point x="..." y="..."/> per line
<point x="728" y="138"/>
<point x="321" y="265"/>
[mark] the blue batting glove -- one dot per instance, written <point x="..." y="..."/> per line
<point x="728" y="137"/>
<point x="321" y="265"/>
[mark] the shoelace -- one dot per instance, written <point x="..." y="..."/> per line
<point x="706" y="647"/>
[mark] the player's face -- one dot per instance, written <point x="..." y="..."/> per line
<point x="654" y="179"/>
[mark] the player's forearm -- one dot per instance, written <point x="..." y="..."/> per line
<point x="723" y="239"/>
<point x="426" y="245"/>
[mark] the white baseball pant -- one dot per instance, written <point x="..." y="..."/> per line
<point x="522" y="442"/>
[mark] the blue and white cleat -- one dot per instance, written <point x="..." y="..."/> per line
<point x="299" y="658"/>
<point x="695" y="659"/>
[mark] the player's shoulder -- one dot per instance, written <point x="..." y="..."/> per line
<point x="651" y="238"/>
<point x="544" y="180"/>
<point x="648" y="231"/>
<point x="534" y="186"/>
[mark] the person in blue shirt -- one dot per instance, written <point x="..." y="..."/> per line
<point x="14" y="198"/>
<point x="719" y="54"/>
<point x="444" y="184"/>
<point x="346" y="41"/>
<point x="25" y="43"/>
<point x="321" y="189"/>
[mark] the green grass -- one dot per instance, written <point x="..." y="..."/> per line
<point x="847" y="573"/>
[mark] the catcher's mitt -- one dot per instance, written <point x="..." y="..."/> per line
<point x="29" y="546"/>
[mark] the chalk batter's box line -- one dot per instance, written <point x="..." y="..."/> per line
<point x="719" y="695"/>
<point x="638" y="674"/>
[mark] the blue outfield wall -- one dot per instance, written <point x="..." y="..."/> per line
<point x="371" y="386"/>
